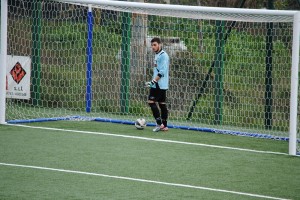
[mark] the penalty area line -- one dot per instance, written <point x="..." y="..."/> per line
<point x="150" y="139"/>
<point x="142" y="180"/>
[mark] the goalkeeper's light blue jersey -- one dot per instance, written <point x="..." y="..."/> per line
<point x="161" y="68"/>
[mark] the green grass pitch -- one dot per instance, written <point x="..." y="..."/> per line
<point x="145" y="166"/>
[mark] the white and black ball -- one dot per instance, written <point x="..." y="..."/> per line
<point x="140" y="124"/>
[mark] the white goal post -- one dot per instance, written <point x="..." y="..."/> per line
<point x="3" y="60"/>
<point x="206" y="16"/>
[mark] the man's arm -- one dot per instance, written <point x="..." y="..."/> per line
<point x="162" y="65"/>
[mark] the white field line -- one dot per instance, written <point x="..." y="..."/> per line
<point x="150" y="139"/>
<point x="143" y="180"/>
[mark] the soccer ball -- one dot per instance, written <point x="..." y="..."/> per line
<point x="140" y="123"/>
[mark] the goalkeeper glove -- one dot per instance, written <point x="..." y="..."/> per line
<point x="149" y="84"/>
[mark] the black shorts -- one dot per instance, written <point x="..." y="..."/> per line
<point x="157" y="95"/>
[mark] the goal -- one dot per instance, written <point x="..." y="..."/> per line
<point x="233" y="71"/>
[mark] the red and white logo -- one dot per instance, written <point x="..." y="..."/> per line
<point x="17" y="73"/>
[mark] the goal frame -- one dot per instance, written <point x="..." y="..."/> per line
<point x="295" y="15"/>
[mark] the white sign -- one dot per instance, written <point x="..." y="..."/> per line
<point x="18" y="77"/>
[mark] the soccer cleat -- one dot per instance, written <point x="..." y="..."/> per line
<point x="157" y="128"/>
<point x="163" y="128"/>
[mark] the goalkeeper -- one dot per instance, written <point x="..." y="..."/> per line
<point x="159" y="86"/>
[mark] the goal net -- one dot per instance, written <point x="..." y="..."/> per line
<point x="230" y="69"/>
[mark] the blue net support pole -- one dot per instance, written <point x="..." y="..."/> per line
<point x="89" y="59"/>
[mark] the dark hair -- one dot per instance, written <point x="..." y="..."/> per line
<point x="156" y="39"/>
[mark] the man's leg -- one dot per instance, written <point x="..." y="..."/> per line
<point x="164" y="114"/>
<point x="155" y="112"/>
<point x="163" y="109"/>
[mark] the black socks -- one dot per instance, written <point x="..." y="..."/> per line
<point x="156" y="113"/>
<point x="160" y="118"/>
